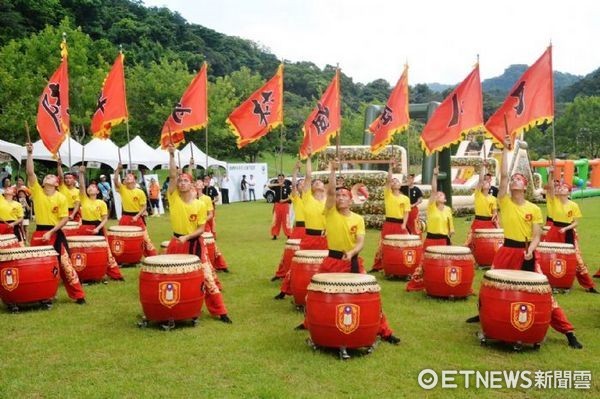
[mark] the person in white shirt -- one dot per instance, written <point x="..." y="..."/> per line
<point x="251" y="185"/>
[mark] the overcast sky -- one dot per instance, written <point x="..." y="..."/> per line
<point x="372" y="39"/>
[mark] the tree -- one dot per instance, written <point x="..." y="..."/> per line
<point x="578" y="130"/>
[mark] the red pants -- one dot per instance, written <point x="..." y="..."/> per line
<point x="313" y="242"/>
<point x="298" y="232"/>
<point x="68" y="274"/>
<point x="478" y="224"/>
<point x="412" y="224"/>
<point x="387" y="229"/>
<point x="512" y="259"/>
<point x="416" y="282"/>
<point x="112" y="268"/>
<point x="212" y="294"/>
<point x="149" y="248"/>
<point x="581" y="272"/>
<point x="210" y="226"/>
<point x="281" y="219"/>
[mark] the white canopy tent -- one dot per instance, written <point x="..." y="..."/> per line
<point x="14" y="150"/>
<point x="41" y="153"/>
<point x="105" y="151"/>
<point x="200" y="158"/>
<point x="141" y="153"/>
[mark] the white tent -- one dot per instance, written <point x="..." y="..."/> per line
<point x="104" y="151"/>
<point x="162" y="157"/>
<point x="42" y="154"/>
<point x="141" y="153"/>
<point x="14" y="150"/>
<point x="200" y="158"/>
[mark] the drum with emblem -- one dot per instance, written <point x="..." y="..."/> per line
<point x="126" y="243"/>
<point x="343" y="310"/>
<point x="485" y="244"/>
<point x="9" y="241"/>
<point x="515" y="306"/>
<point x="291" y="246"/>
<point x="558" y="262"/>
<point x="28" y="275"/>
<point x="71" y="228"/>
<point x="89" y="256"/>
<point x="171" y="287"/>
<point x="305" y="264"/>
<point x="448" y="271"/>
<point x="401" y="253"/>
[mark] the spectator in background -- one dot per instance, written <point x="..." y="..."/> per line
<point x="225" y="186"/>
<point x="20" y="185"/>
<point x="25" y="202"/>
<point x="251" y="186"/>
<point x="154" y="195"/>
<point x="106" y="193"/>
<point x="244" y="188"/>
<point x="6" y="183"/>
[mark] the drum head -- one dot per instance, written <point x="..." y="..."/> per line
<point x="555" y="245"/>
<point x="344" y="283"/>
<point x="85" y="239"/>
<point x="125" y="229"/>
<point x="170" y="260"/>
<point x="311" y="253"/>
<point x="164" y="244"/>
<point x="515" y="276"/>
<point x="7" y="237"/>
<point x="402" y="237"/>
<point x="71" y="225"/>
<point x="293" y="241"/>
<point x="343" y="278"/>
<point x="490" y="231"/>
<point x="207" y="235"/>
<point x="7" y="254"/>
<point x="448" y="250"/>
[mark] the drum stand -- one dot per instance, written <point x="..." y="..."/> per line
<point x="167" y="325"/>
<point x="14" y="308"/>
<point x="343" y="351"/>
<point x="517" y="346"/>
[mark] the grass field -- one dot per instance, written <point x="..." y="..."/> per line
<point x="97" y="350"/>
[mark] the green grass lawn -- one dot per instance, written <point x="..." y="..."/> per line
<point x="97" y="350"/>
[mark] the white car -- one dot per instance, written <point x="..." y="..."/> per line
<point x="268" y="193"/>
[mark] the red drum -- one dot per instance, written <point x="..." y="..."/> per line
<point x="558" y="262"/>
<point x="71" y="228"/>
<point x="515" y="306"/>
<point x="28" y="274"/>
<point x="343" y="310"/>
<point x="89" y="256"/>
<point x="171" y="287"/>
<point x="485" y="244"/>
<point x="448" y="271"/>
<point x="126" y="243"/>
<point x="401" y="253"/>
<point x="163" y="246"/>
<point x="9" y="241"/>
<point x="305" y="264"/>
<point x="291" y="246"/>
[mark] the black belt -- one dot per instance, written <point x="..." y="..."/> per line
<point x="394" y="220"/>
<point x="61" y="239"/>
<point x="340" y="254"/>
<point x="91" y="222"/>
<point x="299" y="224"/>
<point x="514" y="243"/>
<point x="194" y="248"/>
<point x="313" y="232"/>
<point x="486" y="218"/>
<point x="569" y="234"/>
<point x="71" y="209"/>
<point x="130" y="213"/>
<point x="435" y="236"/>
<point x="548" y="218"/>
<point x="560" y="224"/>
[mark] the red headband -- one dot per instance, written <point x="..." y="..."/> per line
<point x="520" y="180"/>
<point x="345" y="190"/>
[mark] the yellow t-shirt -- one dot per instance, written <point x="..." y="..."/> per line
<point x="207" y="201"/>
<point x="395" y="205"/>
<point x="10" y="211"/>
<point x="185" y="216"/>
<point x="132" y="200"/>
<point x="564" y="213"/>
<point x="71" y="194"/>
<point x="485" y="205"/>
<point x="93" y="210"/>
<point x="518" y="220"/>
<point x="298" y="207"/>
<point x="49" y="210"/>
<point x="343" y="230"/>
<point x="314" y="216"/>
<point x="439" y="222"/>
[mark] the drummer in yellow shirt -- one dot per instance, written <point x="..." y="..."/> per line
<point x="11" y="215"/>
<point x="69" y="190"/>
<point x="486" y="207"/>
<point x="313" y="198"/>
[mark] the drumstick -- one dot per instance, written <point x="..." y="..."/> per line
<point x="506" y="130"/>
<point x="27" y="133"/>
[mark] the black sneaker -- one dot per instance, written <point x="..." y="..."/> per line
<point x="225" y="270"/>
<point x="80" y="301"/>
<point x="593" y="290"/>
<point x="392" y="339"/>
<point x="279" y="296"/>
<point x="275" y="278"/>
<point x="274" y="238"/>
<point x="300" y="327"/>
<point x="573" y="343"/>
<point x="474" y="319"/>
<point x="372" y="271"/>
<point x="225" y="319"/>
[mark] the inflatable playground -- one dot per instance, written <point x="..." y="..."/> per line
<point x="582" y="174"/>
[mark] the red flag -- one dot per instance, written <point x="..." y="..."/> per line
<point x="111" y="109"/>
<point x="190" y="113"/>
<point x="260" y="113"/>
<point x="394" y="117"/>
<point x="460" y="113"/>
<point x="324" y="121"/>
<point x="530" y="102"/>
<point x="53" y="108"/>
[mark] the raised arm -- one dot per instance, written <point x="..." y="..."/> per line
<point x="330" y="203"/>
<point x="117" y="178"/>
<point x="59" y="169"/>
<point x="191" y="165"/>
<point x="434" y="178"/>
<point x="503" y="189"/>
<point x="82" y="192"/>
<point x="308" y="178"/>
<point x="295" y="176"/>
<point x="173" y="170"/>
<point x="29" y="170"/>
<point x="482" y="172"/>
<point x="550" y="190"/>
<point x="388" y="182"/>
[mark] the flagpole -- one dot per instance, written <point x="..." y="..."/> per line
<point x="27" y="133"/>
<point x="206" y="143"/>
<point x="281" y="148"/>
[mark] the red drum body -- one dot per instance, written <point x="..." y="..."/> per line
<point x="171" y="287"/>
<point x="71" y="228"/>
<point x="401" y="253"/>
<point x="28" y="274"/>
<point x="485" y="244"/>
<point x="448" y="271"/>
<point x="515" y="306"/>
<point x="126" y="243"/>
<point x="209" y="244"/>
<point x="558" y="262"/>
<point x="343" y="310"/>
<point x="305" y="264"/>
<point x="291" y="246"/>
<point x="89" y="256"/>
<point x="9" y="241"/>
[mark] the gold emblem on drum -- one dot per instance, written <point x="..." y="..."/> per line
<point x="558" y="267"/>
<point x="10" y="278"/>
<point x="168" y="293"/>
<point x="453" y="275"/>
<point x="79" y="261"/>
<point x="348" y="317"/>
<point x="117" y="247"/>
<point x="522" y="315"/>
<point x="410" y="257"/>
